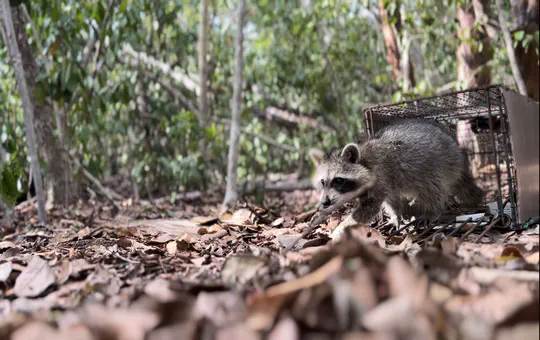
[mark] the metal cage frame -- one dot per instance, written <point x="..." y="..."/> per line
<point x="485" y="102"/>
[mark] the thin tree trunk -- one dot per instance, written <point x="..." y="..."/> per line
<point x="203" y="63"/>
<point x="510" y="50"/>
<point x="473" y="70"/>
<point x="15" y="56"/>
<point x="59" y="177"/>
<point x="527" y="18"/>
<point x="393" y="53"/>
<point x="231" y="194"/>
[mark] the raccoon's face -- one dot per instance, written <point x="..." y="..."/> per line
<point x="340" y="172"/>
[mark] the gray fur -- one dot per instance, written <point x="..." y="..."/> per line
<point x="412" y="159"/>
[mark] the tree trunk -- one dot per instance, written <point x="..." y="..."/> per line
<point x="473" y="58"/>
<point x="59" y="177"/>
<point x="510" y="51"/>
<point x="231" y="194"/>
<point x="527" y="18"/>
<point x="203" y="64"/>
<point x="393" y="54"/>
<point x="15" y="56"/>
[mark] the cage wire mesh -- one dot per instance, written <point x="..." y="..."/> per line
<point x="478" y="118"/>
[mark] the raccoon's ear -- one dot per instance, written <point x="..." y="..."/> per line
<point x="351" y="153"/>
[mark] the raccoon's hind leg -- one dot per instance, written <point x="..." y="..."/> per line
<point x="467" y="192"/>
<point x="432" y="206"/>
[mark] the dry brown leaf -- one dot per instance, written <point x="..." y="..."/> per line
<point x="62" y="272"/>
<point x="389" y="315"/>
<point x="35" y="331"/>
<point x="488" y="275"/>
<point x="140" y="246"/>
<point x="333" y="222"/>
<point x="264" y="308"/>
<point x="125" y="324"/>
<point x="187" y="330"/>
<point x="159" y="289"/>
<point x="24" y="305"/>
<point x="5" y="310"/>
<point x="187" y="238"/>
<point x="222" y="308"/>
<point x="218" y="234"/>
<point x="439" y="293"/>
<point x="35" y="279"/>
<point x="510" y="253"/>
<point x="240" y="217"/>
<point x="69" y="223"/>
<point x="163" y="238"/>
<point x="83" y="232"/>
<point x="124" y="243"/>
<point x="369" y="235"/>
<point x="496" y="305"/>
<point x="533" y="258"/>
<point x="526" y="330"/>
<point x="5" y="270"/>
<point x="198" y="261"/>
<point x="286" y="328"/>
<point x="6" y="245"/>
<point x="279" y="221"/>
<point x="171" y="248"/>
<point x="286" y="240"/>
<point x="314" y="278"/>
<point x="363" y="289"/>
<point x="205" y="220"/>
<point x="238" y="331"/>
<point x="370" y="336"/>
<point x="241" y="268"/>
<point x="79" y="266"/>
<point x="402" y="280"/>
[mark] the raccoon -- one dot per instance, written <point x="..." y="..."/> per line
<point x="412" y="159"/>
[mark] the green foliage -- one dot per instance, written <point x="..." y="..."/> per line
<point x="9" y="176"/>
<point x="327" y="63"/>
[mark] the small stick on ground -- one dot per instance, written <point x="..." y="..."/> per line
<point x="349" y="197"/>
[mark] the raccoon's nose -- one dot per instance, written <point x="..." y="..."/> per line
<point x="326" y="202"/>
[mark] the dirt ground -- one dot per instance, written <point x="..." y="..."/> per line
<point x="167" y="270"/>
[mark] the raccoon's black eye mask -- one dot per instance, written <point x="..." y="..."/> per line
<point x="343" y="185"/>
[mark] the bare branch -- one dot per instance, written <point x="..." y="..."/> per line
<point x="107" y="192"/>
<point x="165" y="68"/>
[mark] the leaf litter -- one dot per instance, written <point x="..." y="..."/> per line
<point x="144" y="275"/>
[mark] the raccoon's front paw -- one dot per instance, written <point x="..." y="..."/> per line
<point x="394" y="221"/>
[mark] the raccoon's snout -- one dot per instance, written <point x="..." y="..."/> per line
<point x="326" y="202"/>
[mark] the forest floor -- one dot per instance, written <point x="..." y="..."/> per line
<point x="175" y="271"/>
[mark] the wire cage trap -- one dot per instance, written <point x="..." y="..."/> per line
<point x="482" y="123"/>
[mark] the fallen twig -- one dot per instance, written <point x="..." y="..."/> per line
<point x="348" y="197"/>
<point x="110" y="194"/>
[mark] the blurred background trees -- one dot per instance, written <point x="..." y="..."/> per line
<point x="118" y="99"/>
